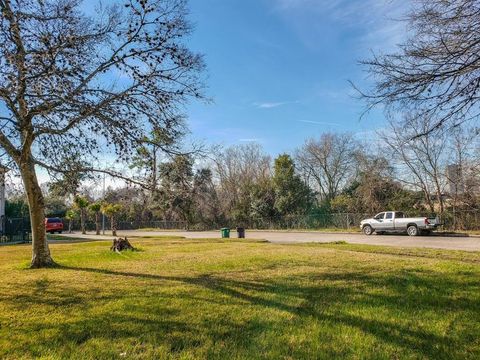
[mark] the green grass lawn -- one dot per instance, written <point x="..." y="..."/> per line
<point x="189" y="299"/>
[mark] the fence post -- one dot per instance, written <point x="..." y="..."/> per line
<point x="23" y="230"/>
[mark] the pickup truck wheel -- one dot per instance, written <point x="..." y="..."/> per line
<point x="367" y="230"/>
<point x="412" y="230"/>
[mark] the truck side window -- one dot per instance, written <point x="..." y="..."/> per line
<point x="379" y="216"/>
<point x="389" y="215"/>
<point x="400" y="215"/>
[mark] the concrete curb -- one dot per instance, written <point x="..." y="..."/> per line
<point x="433" y="234"/>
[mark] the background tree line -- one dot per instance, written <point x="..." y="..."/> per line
<point x="333" y="173"/>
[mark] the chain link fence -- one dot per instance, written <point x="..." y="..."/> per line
<point x="318" y="221"/>
<point x="461" y="220"/>
<point x="451" y="221"/>
<point x="17" y="230"/>
<point x="91" y="226"/>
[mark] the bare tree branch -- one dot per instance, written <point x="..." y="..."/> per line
<point x="436" y="72"/>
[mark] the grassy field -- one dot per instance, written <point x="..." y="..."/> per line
<point x="189" y="299"/>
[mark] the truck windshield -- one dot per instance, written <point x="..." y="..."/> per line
<point x="379" y="216"/>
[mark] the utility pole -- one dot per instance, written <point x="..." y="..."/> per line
<point x="103" y="213"/>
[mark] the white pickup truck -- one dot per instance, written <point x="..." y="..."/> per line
<point x="396" y="221"/>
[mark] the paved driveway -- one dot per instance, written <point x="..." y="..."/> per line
<point x="438" y="242"/>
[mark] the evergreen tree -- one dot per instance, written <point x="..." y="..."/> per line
<point x="292" y="195"/>
<point x="175" y="194"/>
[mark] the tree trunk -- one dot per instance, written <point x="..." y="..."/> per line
<point x="82" y="221"/>
<point x="428" y="199"/>
<point x="97" y="223"/>
<point x="36" y="205"/>
<point x="70" y="221"/>
<point x="114" y="226"/>
<point x="439" y="194"/>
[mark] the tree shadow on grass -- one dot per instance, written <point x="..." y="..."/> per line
<point x="403" y="296"/>
<point x="157" y="329"/>
<point x="318" y="297"/>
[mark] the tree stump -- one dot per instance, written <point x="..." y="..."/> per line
<point x="121" y="244"/>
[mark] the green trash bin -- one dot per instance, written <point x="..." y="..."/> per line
<point x="225" y="233"/>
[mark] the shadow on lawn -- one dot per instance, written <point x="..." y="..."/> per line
<point x="408" y="292"/>
<point x="323" y="300"/>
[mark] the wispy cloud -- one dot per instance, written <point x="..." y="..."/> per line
<point x="338" y="95"/>
<point x="375" y="22"/>
<point x="348" y="12"/>
<point x="271" y="105"/>
<point x="319" y="123"/>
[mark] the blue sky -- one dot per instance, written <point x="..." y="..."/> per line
<point x="278" y="70"/>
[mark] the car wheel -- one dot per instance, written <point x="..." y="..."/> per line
<point x="367" y="230"/>
<point x="59" y="232"/>
<point x="412" y="230"/>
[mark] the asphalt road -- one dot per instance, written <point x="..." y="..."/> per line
<point x="433" y="241"/>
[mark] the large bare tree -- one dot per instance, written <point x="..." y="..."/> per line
<point x="463" y="169"/>
<point x="327" y="163"/>
<point x="419" y="155"/>
<point x="436" y="71"/>
<point x="73" y="84"/>
<point x="236" y="168"/>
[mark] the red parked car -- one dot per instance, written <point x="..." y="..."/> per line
<point x="53" y="225"/>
